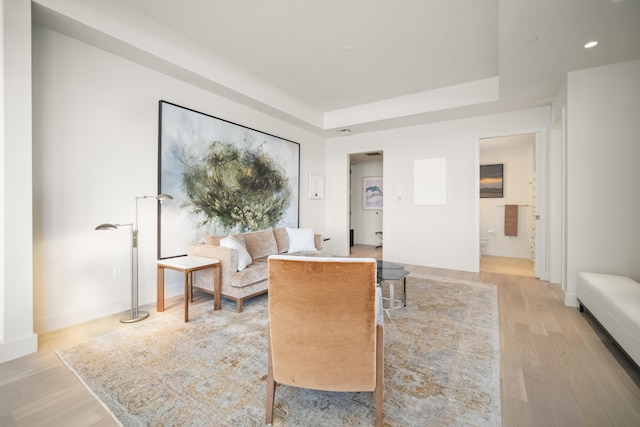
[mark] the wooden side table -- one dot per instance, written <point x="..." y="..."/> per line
<point x="187" y="265"/>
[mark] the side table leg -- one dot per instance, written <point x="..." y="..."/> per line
<point x="160" y="290"/>
<point x="217" y="291"/>
<point x="186" y="295"/>
<point x="191" y="287"/>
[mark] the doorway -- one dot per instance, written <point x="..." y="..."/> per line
<point x="501" y="250"/>
<point x="366" y="219"/>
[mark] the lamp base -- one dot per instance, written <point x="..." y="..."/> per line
<point x="130" y="319"/>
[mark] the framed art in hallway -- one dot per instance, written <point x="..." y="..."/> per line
<point x="225" y="179"/>
<point x="372" y="193"/>
<point x="491" y="181"/>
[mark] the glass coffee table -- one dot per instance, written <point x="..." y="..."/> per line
<point x="390" y="272"/>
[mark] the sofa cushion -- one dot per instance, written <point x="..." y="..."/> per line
<point x="260" y="243"/>
<point x="301" y="240"/>
<point x="254" y="273"/>
<point x="244" y="258"/>
<point x="282" y="239"/>
<point x="213" y="240"/>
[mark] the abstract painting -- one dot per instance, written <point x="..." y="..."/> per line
<point x="225" y="178"/>
<point x="491" y="181"/>
<point x="372" y="193"/>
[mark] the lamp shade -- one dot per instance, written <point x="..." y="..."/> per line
<point x="163" y="196"/>
<point x="107" y="227"/>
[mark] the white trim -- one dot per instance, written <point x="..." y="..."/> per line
<point x="19" y="347"/>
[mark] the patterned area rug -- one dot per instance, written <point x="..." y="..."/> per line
<point x="442" y="366"/>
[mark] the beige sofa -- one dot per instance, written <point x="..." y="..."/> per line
<point x="239" y="284"/>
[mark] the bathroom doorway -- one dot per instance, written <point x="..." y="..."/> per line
<point x="508" y="233"/>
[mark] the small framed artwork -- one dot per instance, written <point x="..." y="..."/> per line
<point x="491" y="181"/>
<point x="372" y="193"/>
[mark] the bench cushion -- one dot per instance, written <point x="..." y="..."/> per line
<point x="591" y="289"/>
<point x="622" y="319"/>
<point x="615" y="302"/>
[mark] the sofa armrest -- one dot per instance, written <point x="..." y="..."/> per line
<point x="228" y="259"/>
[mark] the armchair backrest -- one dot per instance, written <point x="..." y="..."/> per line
<point x="322" y="323"/>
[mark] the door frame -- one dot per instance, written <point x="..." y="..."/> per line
<point x="541" y="262"/>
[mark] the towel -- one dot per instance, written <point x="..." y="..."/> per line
<point x="510" y="220"/>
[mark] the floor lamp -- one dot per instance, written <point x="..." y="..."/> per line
<point x="135" y="315"/>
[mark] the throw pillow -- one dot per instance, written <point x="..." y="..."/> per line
<point x="301" y="240"/>
<point x="244" y="258"/>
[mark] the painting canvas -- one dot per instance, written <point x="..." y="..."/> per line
<point x="224" y="178"/>
<point x="491" y="181"/>
<point x="372" y="193"/>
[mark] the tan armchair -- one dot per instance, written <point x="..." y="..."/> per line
<point x="325" y="326"/>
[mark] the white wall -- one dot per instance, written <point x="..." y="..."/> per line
<point x="16" y="267"/>
<point x="517" y="161"/>
<point x="438" y="236"/>
<point x="603" y="193"/>
<point x="365" y="223"/>
<point x="95" y="149"/>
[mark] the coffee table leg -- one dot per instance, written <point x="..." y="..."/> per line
<point x="392" y="296"/>
<point x="404" y="291"/>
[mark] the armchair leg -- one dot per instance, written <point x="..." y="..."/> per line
<point x="271" y="388"/>
<point x="379" y="393"/>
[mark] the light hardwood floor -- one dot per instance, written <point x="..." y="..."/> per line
<point x="503" y="265"/>
<point x="557" y="366"/>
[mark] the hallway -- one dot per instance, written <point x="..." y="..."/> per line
<point x="503" y="265"/>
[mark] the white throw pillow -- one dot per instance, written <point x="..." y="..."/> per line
<point x="244" y="258"/>
<point x="301" y="240"/>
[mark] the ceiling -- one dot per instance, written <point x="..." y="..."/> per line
<point x="368" y="157"/>
<point x="375" y="64"/>
<point x="510" y="141"/>
<point x="493" y="143"/>
<point x="333" y="53"/>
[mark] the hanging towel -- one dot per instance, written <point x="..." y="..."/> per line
<point x="510" y="220"/>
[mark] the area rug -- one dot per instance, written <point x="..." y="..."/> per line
<point x="442" y="366"/>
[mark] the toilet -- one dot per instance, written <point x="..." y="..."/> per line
<point x="483" y="242"/>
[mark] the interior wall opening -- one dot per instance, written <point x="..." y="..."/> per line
<point x="366" y="189"/>
<point x="508" y="204"/>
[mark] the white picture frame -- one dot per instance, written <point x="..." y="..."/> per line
<point x="316" y="187"/>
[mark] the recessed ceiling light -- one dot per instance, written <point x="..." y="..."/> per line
<point x="591" y="44"/>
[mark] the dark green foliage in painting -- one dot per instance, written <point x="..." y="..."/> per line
<point x="238" y="188"/>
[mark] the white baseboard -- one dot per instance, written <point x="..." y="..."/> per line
<point x="507" y="254"/>
<point x="13" y="349"/>
<point x="85" y="314"/>
<point x="571" y="300"/>
<point x="370" y="242"/>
